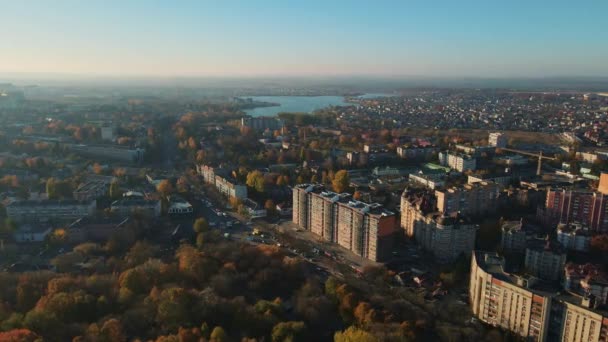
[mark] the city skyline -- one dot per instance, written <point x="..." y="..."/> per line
<point x="277" y="39"/>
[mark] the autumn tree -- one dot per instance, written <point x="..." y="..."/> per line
<point x="200" y="225"/>
<point x="354" y="334"/>
<point x="340" y="181"/>
<point x="165" y="187"/>
<point x="270" y="207"/>
<point x="255" y="180"/>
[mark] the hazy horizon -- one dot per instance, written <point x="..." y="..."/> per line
<point x="271" y="39"/>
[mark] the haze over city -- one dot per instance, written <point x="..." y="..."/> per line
<point x="304" y="38"/>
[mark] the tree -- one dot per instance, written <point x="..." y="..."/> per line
<point x="354" y="334"/>
<point x="200" y="225"/>
<point x="19" y="335"/>
<point x="218" y="335"/>
<point x="114" y="190"/>
<point x="289" y="332"/>
<point x="140" y="253"/>
<point x="282" y="180"/>
<point x="341" y="181"/>
<point x="255" y="180"/>
<point x="200" y="240"/>
<point x="599" y="244"/>
<point x="270" y="207"/>
<point x="165" y="187"/>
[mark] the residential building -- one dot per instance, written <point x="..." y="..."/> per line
<point x="262" y="123"/>
<point x="545" y="259"/>
<point x="507" y="301"/>
<point x="385" y="171"/>
<point x="430" y="181"/>
<point x="513" y="237"/>
<point x="458" y="162"/>
<point x="447" y="237"/>
<point x="497" y="139"/>
<point x="574" y="237"/>
<point x="223" y="182"/>
<point x="416" y="152"/>
<point x="366" y="229"/>
<point x="470" y="199"/>
<point x="589" y="208"/>
<point x="128" y="205"/>
<point x="586" y="279"/>
<point x="90" y="190"/>
<point x="49" y="210"/>
<point x="230" y="188"/>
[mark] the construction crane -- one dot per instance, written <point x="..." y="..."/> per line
<point x="530" y="154"/>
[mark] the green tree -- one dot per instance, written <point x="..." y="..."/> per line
<point x="200" y="225"/>
<point x="200" y="240"/>
<point x="289" y="332"/>
<point x="341" y="181"/>
<point x="218" y="335"/>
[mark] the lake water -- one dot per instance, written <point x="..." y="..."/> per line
<point x="299" y="104"/>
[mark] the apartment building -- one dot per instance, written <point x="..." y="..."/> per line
<point x="574" y="237"/>
<point x="446" y="237"/>
<point x="589" y="208"/>
<point x="471" y="199"/>
<point x="90" y="190"/>
<point x="49" y="210"/>
<point x="525" y="305"/>
<point x="545" y="259"/>
<point x="416" y="152"/>
<point x="262" y="123"/>
<point x="497" y="139"/>
<point x="506" y="301"/>
<point x="513" y="237"/>
<point x="366" y="229"/>
<point x="222" y="181"/>
<point x="457" y="161"/>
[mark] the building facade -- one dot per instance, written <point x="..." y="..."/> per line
<point x="545" y="259"/>
<point x="589" y="208"/>
<point x="49" y="210"/>
<point x="365" y="229"/>
<point x="471" y="199"/>
<point x="458" y="162"/>
<point x="520" y="305"/>
<point x="497" y="139"/>
<point x="128" y="206"/>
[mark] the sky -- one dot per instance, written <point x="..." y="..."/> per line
<point x="437" y="38"/>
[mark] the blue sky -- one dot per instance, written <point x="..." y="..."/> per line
<point x="451" y="38"/>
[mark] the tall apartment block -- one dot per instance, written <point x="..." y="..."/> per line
<point x="471" y="199"/>
<point x="497" y="139"/>
<point x="366" y="229"/>
<point x="589" y="208"/>
<point x="445" y="236"/>
<point x="525" y="306"/>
